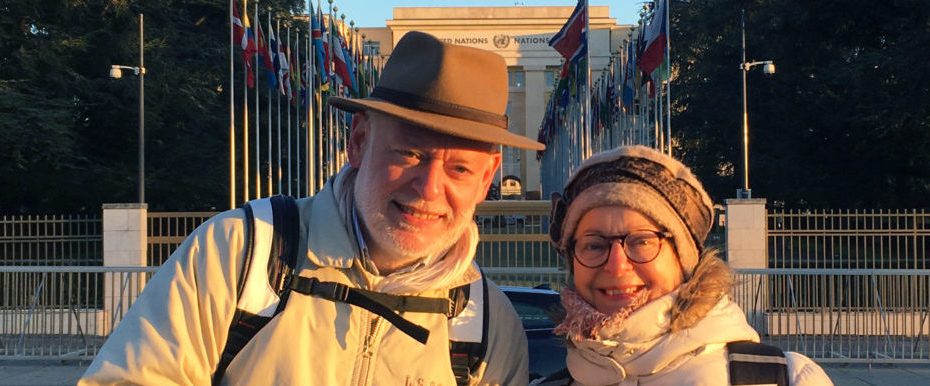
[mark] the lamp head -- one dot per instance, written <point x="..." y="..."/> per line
<point x="768" y="68"/>
<point x="116" y="72"/>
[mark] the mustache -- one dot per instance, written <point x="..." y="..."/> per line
<point x="424" y="206"/>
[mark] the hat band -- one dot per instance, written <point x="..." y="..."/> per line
<point x="418" y="102"/>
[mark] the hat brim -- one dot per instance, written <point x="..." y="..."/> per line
<point x="457" y="127"/>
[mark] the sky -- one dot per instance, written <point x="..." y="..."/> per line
<point x="373" y="13"/>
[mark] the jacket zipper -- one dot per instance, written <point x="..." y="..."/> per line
<point x="365" y="362"/>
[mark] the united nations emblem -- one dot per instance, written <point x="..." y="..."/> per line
<point x="501" y="41"/>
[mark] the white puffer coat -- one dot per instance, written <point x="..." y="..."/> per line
<point x="678" y="340"/>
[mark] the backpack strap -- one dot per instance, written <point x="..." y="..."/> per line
<point x="468" y="329"/>
<point x="385" y="305"/>
<point x="754" y="363"/>
<point x="272" y="228"/>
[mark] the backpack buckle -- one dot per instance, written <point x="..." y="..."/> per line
<point x="330" y="290"/>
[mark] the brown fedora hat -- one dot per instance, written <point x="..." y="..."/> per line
<point x="455" y="90"/>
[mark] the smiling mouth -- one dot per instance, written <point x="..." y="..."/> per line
<point x="625" y="292"/>
<point x="416" y="213"/>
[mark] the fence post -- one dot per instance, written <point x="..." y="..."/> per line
<point x="746" y="233"/>
<point x="125" y="243"/>
<point x="746" y="240"/>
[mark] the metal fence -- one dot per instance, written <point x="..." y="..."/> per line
<point x="167" y="230"/>
<point x="63" y="312"/>
<point x="51" y="240"/>
<point x="849" y="239"/>
<point x="840" y="315"/>
<point x="830" y="315"/>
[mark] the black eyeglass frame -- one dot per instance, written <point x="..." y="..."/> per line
<point x="662" y="235"/>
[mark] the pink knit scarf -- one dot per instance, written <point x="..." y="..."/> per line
<point x="583" y="321"/>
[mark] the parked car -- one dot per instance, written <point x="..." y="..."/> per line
<point x="534" y="306"/>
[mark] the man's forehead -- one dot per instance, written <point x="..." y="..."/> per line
<point x="413" y="135"/>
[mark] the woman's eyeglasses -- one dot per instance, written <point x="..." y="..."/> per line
<point x="640" y="246"/>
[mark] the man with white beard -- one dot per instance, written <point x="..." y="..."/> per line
<point x="392" y="230"/>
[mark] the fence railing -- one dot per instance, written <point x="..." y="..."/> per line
<point x="167" y="230"/>
<point x="876" y="316"/>
<point x="840" y="315"/>
<point x="849" y="239"/>
<point x="51" y="240"/>
<point x="63" y="312"/>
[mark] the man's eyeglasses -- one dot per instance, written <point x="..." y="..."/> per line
<point x="640" y="246"/>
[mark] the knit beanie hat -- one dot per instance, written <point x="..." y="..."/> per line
<point x="643" y="179"/>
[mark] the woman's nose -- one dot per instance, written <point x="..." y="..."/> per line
<point x="617" y="260"/>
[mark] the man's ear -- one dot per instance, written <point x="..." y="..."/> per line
<point x="361" y="130"/>
<point x="488" y="177"/>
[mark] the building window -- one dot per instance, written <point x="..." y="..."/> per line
<point x="516" y="77"/>
<point x="552" y="74"/>
<point x="372" y="48"/>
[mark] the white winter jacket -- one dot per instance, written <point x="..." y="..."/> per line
<point x="677" y="343"/>
<point x="175" y="331"/>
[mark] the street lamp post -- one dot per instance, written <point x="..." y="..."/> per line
<point x="768" y="67"/>
<point x="116" y="72"/>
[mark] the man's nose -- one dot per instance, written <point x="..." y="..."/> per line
<point x="429" y="182"/>
<point x="617" y="260"/>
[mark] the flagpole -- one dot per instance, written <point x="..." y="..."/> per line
<point x="290" y="99"/>
<point x="232" y="110"/>
<point x="587" y="94"/>
<point x="277" y="53"/>
<point x="311" y="102"/>
<point x="258" y="170"/>
<point x="330" y="132"/>
<point x="246" y="168"/>
<point x="668" y="82"/>
<point x="292" y="161"/>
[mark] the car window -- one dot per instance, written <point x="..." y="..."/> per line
<point x="534" y="309"/>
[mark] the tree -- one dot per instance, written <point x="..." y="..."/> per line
<point x="68" y="133"/>
<point x="845" y="121"/>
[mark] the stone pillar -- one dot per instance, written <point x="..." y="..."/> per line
<point x="746" y="233"/>
<point x="125" y="243"/>
<point x="746" y="240"/>
<point x="535" y="110"/>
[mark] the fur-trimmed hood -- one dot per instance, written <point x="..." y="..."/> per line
<point x="712" y="280"/>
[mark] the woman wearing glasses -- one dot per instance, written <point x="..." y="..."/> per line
<point x="646" y="303"/>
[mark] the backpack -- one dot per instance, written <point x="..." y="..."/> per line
<point x="272" y="229"/>
<point x="754" y="363"/>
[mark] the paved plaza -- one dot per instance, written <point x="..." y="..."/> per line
<point x="56" y="373"/>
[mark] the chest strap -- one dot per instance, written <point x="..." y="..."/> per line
<point x="384" y="305"/>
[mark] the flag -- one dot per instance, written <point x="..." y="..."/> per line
<point x="629" y="72"/>
<point x="655" y="38"/>
<point x="242" y="32"/>
<point x="278" y="60"/>
<point x="264" y="52"/>
<point x="283" y="67"/>
<point x="572" y="40"/>
<point x="318" y="48"/>
<point x="340" y="59"/>
<point x="293" y="58"/>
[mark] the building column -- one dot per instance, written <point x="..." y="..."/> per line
<point x="125" y="243"/>
<point x="535" y="111"/>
